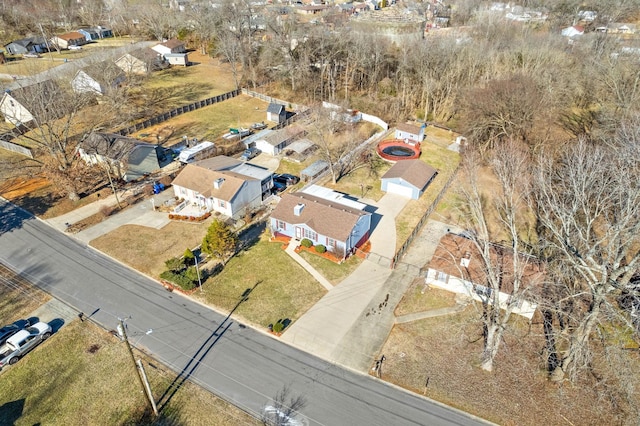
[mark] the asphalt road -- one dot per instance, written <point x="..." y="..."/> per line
<point x="243" y="366"/>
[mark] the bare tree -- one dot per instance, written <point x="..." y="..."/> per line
<point x="496" y="239"/>
<point x="587" y="203"/>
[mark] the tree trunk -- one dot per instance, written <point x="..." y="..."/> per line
<point x="491" y="344"/>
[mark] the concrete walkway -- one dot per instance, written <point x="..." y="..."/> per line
<point x="322" y="329"/>
<point x="291" y="251"/>
<point x="138" y="214"/>
<point x="351" y="323"/>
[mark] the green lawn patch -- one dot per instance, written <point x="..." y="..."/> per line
<point x="284" y="289"/>
<point x="332" y="271"/>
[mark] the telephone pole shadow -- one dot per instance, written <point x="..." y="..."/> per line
<point x="202" y="352"/>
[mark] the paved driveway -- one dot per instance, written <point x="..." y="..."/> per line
<point x="322" y="329"/>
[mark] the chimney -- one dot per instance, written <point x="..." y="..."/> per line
<point x="466" y="259"/>
<point x="297" y="210"/>
<point x="218" y="183"/>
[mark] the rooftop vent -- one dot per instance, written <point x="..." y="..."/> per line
<point x="218" y="183"/>
<point x="297" y="209"/>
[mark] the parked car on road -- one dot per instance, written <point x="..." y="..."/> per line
<point x="250" y="153"/>
<point x="22" y="342"/>
<point x="282" y="417"/>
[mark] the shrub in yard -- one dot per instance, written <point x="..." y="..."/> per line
<point x="178" y="279"/>
<point x="189" y="257"/>
<point x="278" y="327"/>
<point x="306" y="243"/>
<point x="320" y="248"/>
<point x="175" y="264"/>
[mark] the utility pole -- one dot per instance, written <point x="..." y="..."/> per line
<point x="122" y="331"/>
<point x="46" y="42"/>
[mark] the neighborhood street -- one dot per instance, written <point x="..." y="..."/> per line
<point x="238" y="363"/>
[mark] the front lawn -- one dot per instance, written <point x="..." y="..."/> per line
<point x="146" y="249"/>
<point x="332" y="271"/>
<point x="283" y="289"/>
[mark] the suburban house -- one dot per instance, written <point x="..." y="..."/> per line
<point x="410" y="132"/>
<point x="141" y="61"/>
<point x="98" y="78"/>
<point x="74" y="38"/>
<point x="181" y="59"/>
<point x="223" y="191"/>
<point x="276" y="112"/>
<point x="274" y="142"/>
<point x="41" y="101"/>
<point x="170" y="46"/>
<point x="325" y="217"/>
<point x="27" y="45"/>
<point x="96" y="33"/>
<point x="222" y="162"/>
<point x="408" y="178"/>
<point x="173" y="51"/>
<point x="573" y="31"/>
<point x="456" y="266"/>
<point x="128" y="158"/>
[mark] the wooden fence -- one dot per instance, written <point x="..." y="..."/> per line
<point x="177" y="111"/>
<point x="401" y="251"/>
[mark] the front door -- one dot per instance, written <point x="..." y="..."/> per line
<point x="298" y="233"/>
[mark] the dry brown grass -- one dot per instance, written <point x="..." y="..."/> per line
<point x="420" y="298"/>
<point x="445" y="351"/>
<point x="93" y="384"/>
<point x="146" y="249"/>
<point x="208" y="123"/>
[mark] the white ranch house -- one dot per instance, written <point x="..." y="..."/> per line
<point x="456" y="267"/>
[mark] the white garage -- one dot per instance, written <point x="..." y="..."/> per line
<point x="408" y="178"/>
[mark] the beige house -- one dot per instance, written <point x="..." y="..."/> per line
<point x="227" y="192"/>
<point x="64" y="41"/>
<point x="141" y="61"/>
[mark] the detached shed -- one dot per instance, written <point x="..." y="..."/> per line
<point x="276" y="112"/>
<point x="314" y="170"/>
<point x="408" y="178"/>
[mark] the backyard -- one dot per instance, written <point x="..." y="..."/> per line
<point x="439" y="357"/>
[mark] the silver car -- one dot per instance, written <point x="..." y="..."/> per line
<point x="22" y="342"/>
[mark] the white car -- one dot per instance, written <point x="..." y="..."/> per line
<point x="74" y="47"/>
<point x="22" y="342"/>
<point x="273" y="416"/>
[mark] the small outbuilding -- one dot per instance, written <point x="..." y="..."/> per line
<point x="408" y="178"/>
<point x="276" y="112"/>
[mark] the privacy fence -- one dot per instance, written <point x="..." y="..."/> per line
<point x="402" y="250"/>
<point x="177" y="111"/>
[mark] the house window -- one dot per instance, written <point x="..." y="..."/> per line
<point x="331" y="243"/>
<point x="222" y="204"/>
<point x="483" y="291"/>
<point x="281" y="225"/>
<point x="441" y="276"/>
<point x="310" y="235"/>
<point x="183" y="191"/>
